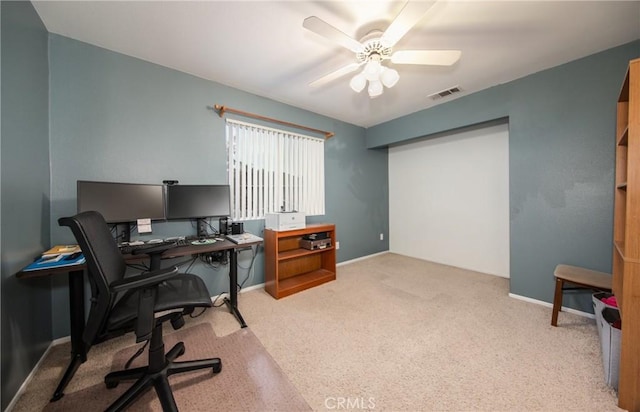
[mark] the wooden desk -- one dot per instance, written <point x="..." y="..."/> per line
<point x="75" y="276"/>
<point x="218" y="246"/>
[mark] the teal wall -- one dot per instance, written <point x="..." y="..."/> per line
<point x="74" y="111"/>
<point x="561" y="162"/>
<point x="26" y="305"/>
<point x="117" y="118"/>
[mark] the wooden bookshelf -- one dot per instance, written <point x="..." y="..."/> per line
<point x="290" y="268"/>
<point x="626" y="236"/>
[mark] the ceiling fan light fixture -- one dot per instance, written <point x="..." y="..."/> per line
<point x="389" y="77"/>
<point x="358" y="82"/>
<point x="372" y="70"/>
<point x="376" y="46"/>
<point x="375" y="88"/>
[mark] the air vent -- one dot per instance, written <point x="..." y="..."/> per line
<point x="445" y="93"/>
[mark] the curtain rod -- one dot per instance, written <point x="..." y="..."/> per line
<point x="222" y="109"/>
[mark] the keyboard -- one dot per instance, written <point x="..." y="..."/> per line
<point x="129" y="249"/>
<point x="244" y="238"/>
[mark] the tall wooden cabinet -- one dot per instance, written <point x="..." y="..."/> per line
<point x="626" y="236"/>
<point x="289" y="268"/>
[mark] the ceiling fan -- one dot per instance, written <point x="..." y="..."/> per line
<point x="376" y="47"/>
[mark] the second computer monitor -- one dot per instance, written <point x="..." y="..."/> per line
<point x="198" y="201"/>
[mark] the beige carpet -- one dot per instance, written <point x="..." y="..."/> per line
<point x="394" y="333"/>
<point x="404" y="334"/>
<point x="249" y="381"/>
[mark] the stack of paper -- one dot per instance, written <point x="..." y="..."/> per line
<point x="58" y="256"/>
<point x="62" y="249"/>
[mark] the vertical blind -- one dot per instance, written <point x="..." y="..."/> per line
<point x="273" y="170"/>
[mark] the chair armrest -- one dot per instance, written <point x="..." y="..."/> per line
<point x="144" y="279"/>
<point x="154" y="253"/>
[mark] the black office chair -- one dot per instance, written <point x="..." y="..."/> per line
<point x="122" y="304"/>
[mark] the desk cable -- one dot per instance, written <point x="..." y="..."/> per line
<point x="254" y="252"/>
<point x="214" y="231"/>
<point x="144" y="267"/>
<point x="215" y="267"/>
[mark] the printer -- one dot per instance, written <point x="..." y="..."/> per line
<point x="284" y="221"/>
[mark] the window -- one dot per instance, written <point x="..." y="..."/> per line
<point x="273" y="170"/>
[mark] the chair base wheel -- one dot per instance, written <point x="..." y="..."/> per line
<point x="180" y="351"/>
<point x="111" y="385"/>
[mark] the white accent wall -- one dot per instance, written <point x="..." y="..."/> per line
<point x="449" y="199"/>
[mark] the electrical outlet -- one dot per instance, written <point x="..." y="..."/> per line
<point x="381" y="236"/>
<point x="337" y="245"/>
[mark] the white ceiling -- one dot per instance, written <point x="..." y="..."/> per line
<point x="261" y="47"/>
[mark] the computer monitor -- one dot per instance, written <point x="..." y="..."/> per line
<point x="198" y="202"/>
<point x="121" y="202"/>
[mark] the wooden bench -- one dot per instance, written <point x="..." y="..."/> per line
<point x="581" y="279"/>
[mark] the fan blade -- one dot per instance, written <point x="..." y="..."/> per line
<point x="410" y="14"/>
<point x="324" y="29"/>
<point x="334" y="75"/>
<point x="431" y="57"/>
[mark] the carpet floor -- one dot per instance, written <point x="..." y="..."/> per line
<point x="250" y="380"/>
<point x="392" y="333"/>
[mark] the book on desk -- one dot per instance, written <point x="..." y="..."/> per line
<point x="55" y="261"/>
<point x="62" y="250"/>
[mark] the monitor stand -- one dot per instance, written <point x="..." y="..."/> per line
<point x="123" y="232"/>
<point x="202" y="227"/>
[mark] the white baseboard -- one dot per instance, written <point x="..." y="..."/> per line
<point x="61" y="340"/>
<point x="35" y="369"/>
<point x="549" y="305"/>
<point x="346" y="262"/>
<point x="261" y="285"/>
<point x="252" y="287"/>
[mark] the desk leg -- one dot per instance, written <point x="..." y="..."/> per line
<point x="232" y="301"/>
<point x="78" y="347"/>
